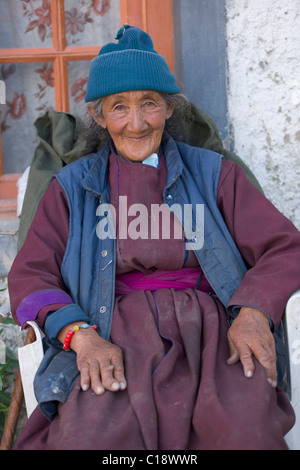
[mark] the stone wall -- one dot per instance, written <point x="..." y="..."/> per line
<point x="11" y="335"/>
<point x="263" y="39"/>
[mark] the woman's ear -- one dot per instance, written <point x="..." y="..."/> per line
<point x="170" y="110"/>
<point x="99" y="120"/>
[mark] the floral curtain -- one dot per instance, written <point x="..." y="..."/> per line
<point x="30" y="86"/>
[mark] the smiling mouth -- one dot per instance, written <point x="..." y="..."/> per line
<point x="137" y="139"/>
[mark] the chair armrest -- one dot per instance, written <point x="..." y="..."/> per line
<point x="30" y="357"/>
<point x="292" y="338"/>
<point x="291" y="321"/>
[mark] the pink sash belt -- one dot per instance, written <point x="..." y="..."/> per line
<point x="185" y="278"/>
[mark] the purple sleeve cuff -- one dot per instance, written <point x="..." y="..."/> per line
<point x="33" y="303"/>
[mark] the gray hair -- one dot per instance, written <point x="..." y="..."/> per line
<point x="96" y="135"/>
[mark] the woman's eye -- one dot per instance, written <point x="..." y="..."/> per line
<point x="149" y="106"/>
<point x="119" y="107"/>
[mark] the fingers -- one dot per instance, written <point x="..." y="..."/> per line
<point x="105" y="374"/>
<point x="112" y="374"/>
<point x="265" y="354"/>
<point x="249" y="336"/>
<point x="244" y="355"/>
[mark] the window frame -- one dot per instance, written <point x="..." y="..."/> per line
<point x="153" y="16"/>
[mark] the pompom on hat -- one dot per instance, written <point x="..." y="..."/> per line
<point x="130" y="64"/>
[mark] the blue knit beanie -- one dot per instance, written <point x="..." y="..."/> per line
<point x="130" y="64"/>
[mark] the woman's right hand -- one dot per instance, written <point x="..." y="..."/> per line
<point x="100" y="362"/>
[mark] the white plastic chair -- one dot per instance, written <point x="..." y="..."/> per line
<point x="31" y="355"/>
<point x="292" y="338"/>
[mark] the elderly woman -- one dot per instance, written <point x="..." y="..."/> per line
<point x="159" y="274"/>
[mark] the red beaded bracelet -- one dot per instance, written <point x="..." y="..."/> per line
<point x="84" y="326"/>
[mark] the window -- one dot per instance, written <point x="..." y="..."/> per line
<point x="45" y="49"/>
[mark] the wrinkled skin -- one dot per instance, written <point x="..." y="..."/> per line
<point x="101" y="363"/>
<point x="249" y="336"/>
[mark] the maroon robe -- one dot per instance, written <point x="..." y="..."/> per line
<point x="181" y="393"/>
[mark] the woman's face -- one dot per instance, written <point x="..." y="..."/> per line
<point x="135" y="121"/>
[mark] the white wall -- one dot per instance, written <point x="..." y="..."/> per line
<point x="264" y="95"/>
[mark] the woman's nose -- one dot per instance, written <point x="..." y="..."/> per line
<point x="136" y="121"/>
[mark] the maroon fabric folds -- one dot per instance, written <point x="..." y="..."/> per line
<point x="181" y="393"/>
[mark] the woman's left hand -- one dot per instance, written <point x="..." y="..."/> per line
<point x="248" y="336"/>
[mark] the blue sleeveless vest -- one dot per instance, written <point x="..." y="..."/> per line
<point x="88" y="267"/>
